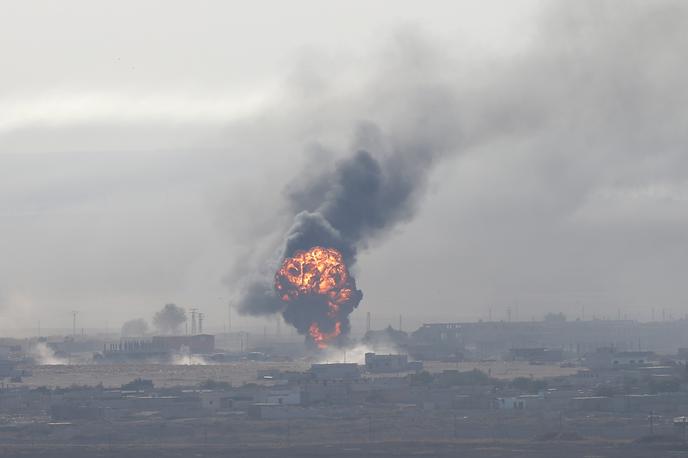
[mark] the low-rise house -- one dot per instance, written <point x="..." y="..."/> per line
<point x="522" y="402"/>
<point x="215" y="401"/>
<point x="284" y="396"/>
<point x="386" y="363"/>
<point x="512" y="403"/>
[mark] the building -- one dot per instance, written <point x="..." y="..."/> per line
<point x="284" y="396"/>
<point x="159" y="348"/>
<point x="608" y="358"/>
<point x="438" y="341"/>
<point x="214" y="401"/>
<point x="511" y="403"/>
<point x="386" y="337"/>
<point x="680" y="426"/>
<point x="386" y="363"/>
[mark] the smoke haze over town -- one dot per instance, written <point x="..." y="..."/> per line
<point x="344" y="228"/>
<point x="160" y="164"/>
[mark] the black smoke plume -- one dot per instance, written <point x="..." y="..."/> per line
<point x="169" y="319"/>
<point x="135" y="328"/>
<point x="412" y="120"/>
<point x="344" y="207"/>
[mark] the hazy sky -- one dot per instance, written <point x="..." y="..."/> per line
<point x="145" y="148"/>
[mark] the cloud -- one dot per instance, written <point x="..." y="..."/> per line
<point x="569" y="172"/>
<point x="552" y="176"/>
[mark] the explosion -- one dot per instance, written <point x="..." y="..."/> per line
<point x="318" y="292"/>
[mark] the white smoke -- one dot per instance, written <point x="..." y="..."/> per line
<point x="355" y="353"/>
<point x="185" y="358"/>
<point x="45" y="356"/>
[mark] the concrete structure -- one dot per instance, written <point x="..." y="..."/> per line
<point x="215" y="401"/>
<point x="159" y="348"/>
<point x="526" y="401"/>
<point x="609" y="358"/>
<point x="284" y="396"/>
<point x="386" y="363"/>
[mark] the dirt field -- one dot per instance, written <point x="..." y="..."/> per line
<point x="163" y="375"/>
<point x="167" y="375"/>
<point x="505" y="369"/>
<point x="381" y="449"/>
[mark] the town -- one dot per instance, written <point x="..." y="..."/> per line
<point x="617" y="381"/>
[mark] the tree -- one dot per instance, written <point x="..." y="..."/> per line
<point x="135" y="328"/>
<point x="169" y="319"/>
<point x="138" y="384"/>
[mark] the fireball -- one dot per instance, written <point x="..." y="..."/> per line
<point x="319" y="275"/>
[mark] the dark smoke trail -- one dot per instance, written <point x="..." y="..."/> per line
<point x="365" y="194"/>
<point x="342" y="208"/>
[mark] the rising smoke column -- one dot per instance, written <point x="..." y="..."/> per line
<point x="169" y="319"/>
<point x="405" y="116"/>
<point x="341" y="210"/>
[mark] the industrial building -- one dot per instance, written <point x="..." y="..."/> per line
<point x="159" y="348"/>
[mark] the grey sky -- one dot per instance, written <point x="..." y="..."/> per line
<point x="144" y="151"/>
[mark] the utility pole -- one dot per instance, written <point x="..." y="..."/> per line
<point x="74" y="314"/>
<point x="193" y="321"/>
<point x="229" y="316"/>
<point x="400" y="323"/>
<point x="200" y="322"/>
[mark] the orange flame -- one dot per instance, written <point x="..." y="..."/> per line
<point x="318" y="271"/>
<point x="321" y="338"/>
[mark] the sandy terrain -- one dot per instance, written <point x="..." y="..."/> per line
<point x="166" y="375"/>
